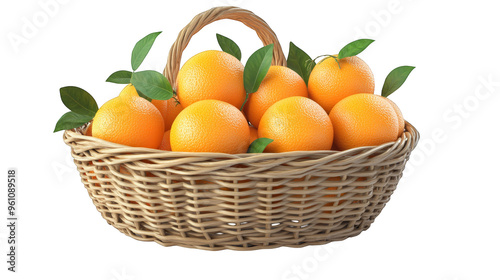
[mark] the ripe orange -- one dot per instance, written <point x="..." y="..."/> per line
<point x="210" y="126"/>
<point x="165" y="142"/>
<point x="296" y="124"/>
<point x="401" y="120"/>
<point x="280" y="82"/>
<point x="88" y="132"/>
<point x="363" y="120"/>
<point x="254" y="135"/>
<point x="328" y="84"/>
<point x="169" y="109"/>
<point x="211" y="75"/>
<point x="129" y="120"/>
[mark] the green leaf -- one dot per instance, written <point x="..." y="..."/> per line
<point x="71" y="120"/>
<point x="143" y="95"/>
<point x="256" y="68"/>
<point x="120" y="77"/>
<point x="229" y="46"/>
<point x="300" y="62"/>
<point x="395" y="79"/>
<point x="152" y="84"/>
<point x="259" y="145"/>
<point x="354" y="48"/>
<point x="141" y="49"/>
<point x="78" y="101"/>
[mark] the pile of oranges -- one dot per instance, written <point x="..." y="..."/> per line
<point x="211" y="112"/>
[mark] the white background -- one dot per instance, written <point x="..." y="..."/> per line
<point x="441" y="223"/>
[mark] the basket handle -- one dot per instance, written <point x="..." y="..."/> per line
<point x="266" y="35"/>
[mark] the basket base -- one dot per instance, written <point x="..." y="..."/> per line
<point x="238" y="245"/>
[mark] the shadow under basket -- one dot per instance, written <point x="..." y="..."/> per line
<point x="217" y="201"/>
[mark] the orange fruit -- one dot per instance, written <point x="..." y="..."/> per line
<point x="280" y="82"/>
<point x="363" y="120"/>
<point x="88" y="132"/>
<point x="210" y="126"/>
<point x="401" y="120"/>
<point x="169" y="109"/>
<point x="328" y="84"/>
<point x="296" y="124"/>
<point x="211" y="75"/>
<point x="165" y="142"/>
<point x="129" y="120"/>
<point x="254" y="135"/>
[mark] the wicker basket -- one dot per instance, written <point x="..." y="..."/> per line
<point x="217" y="201"/>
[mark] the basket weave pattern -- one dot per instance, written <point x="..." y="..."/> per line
<point x="217" y="201"/>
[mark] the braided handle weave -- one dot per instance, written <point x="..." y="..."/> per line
<point x="266" y="35"/>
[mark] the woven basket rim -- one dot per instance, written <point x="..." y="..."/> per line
<point x="410" y="132"/>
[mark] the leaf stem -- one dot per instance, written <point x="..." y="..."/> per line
<point x="328" y="55"/>
<point x="244" y="102"/>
